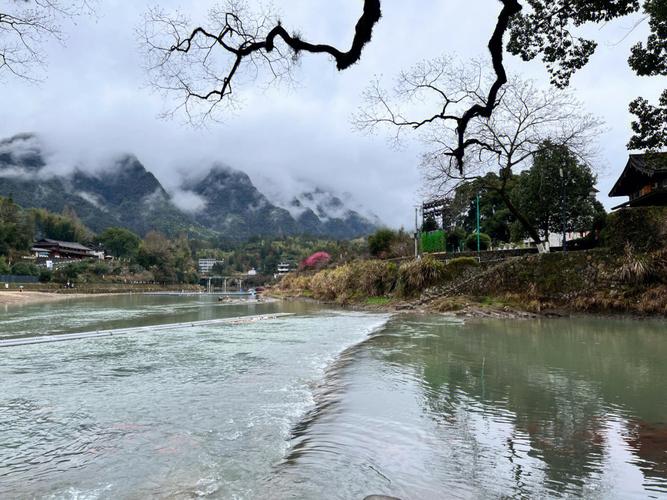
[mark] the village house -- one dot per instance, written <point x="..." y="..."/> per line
<point x="284" y="268"/>
<point x="47" y="252"/>
<point x="644" y="181"/>
<point x="206" y="265"/>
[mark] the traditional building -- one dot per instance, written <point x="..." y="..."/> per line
<point x="54" y="249"/>
<point x="644" y="180"/>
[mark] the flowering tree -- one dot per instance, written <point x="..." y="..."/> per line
<point x="318" y="259"/>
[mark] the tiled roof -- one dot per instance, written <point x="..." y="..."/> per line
<point x="646" y="165"/>
<point x="67" y="245"/>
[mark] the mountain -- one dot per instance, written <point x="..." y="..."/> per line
<point x="234" y="206"/>
<point x="124" y="193"/>
<point x="324" y="213"/>
<point x="134" y="196"/>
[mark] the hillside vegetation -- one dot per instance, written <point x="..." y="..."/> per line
<point x="628" y="274"/>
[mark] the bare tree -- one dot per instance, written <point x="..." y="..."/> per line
<point x="524" y="120"/>
<point x="201" y="64"/>
<point x="25" y="25"/>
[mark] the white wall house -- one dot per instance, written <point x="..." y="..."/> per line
<point x="205" y="265"/>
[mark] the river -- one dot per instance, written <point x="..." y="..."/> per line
<point x="327" y="404"/>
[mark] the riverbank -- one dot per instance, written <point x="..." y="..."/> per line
<point x="44" y="293"/>
<point x="16" y="298"/>
<point x="583" y="282"/>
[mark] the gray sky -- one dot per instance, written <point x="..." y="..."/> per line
<point x="94" y="100"/>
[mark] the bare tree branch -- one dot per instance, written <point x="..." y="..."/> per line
<point x="524" y="120"/>
<point x="25" y="25"/>
<point x="181" y="60"/>
<point x="202" y="64"/>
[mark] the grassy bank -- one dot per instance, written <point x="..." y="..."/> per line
<point x="585" y="281"/>
<point x="627" y="276"/>
<point x="375" y="282"/>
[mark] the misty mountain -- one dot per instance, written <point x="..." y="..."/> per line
<point x="323" y="213"/>
<point x="124" y="193"/>
<point x="233" y="205"/>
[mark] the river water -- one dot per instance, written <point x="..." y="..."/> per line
<point x="327" y="404"/>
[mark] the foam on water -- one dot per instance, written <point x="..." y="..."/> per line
<point x="327" y="404"/>
<point x="203" y="410"/>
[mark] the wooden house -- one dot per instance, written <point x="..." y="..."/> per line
<point x="644" y="181"/>
<point x="54" y="249"/>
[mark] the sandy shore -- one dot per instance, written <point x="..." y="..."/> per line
<point x="26" y="298"/>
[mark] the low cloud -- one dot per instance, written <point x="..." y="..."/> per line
<point x="187" y="201"/>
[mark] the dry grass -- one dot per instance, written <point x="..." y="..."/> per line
<point x="343" y="284"/>
<point x="295" y="283"/>
<point x="653" y="301"/>
<point x="636" y="268"/>
<point x="417" y="275"/>
<point x="369" y="278"/>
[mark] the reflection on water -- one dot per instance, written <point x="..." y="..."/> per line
<point x="491" y="409"/>
<point x="310" y="406"/>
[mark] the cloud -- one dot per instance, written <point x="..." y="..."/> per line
<point x="94" y="103"/>
<point x="188" y="201"/>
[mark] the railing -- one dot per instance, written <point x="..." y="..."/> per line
<point x="15" y="278"/>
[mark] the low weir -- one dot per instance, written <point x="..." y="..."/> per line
<point x="45" y="339"/>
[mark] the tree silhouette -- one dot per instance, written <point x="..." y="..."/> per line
<point x="200" y="64"/>
<point x="25" y="25"/>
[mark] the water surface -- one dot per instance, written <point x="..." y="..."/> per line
<point x="328" y="404"/>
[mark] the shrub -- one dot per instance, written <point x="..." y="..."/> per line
<point x="416" y="275"/>
<point x="370" y="278"/>
<point x="70" y="272"/>
<point x="379" y="243"/>
<point x="25" y="269"/>
<point x="375" y="278"/>
<point x="635" y="268"/>
<point x="4" y="267"/>
<point x="45" y="276"/>
<point x="460" y="264"/>
<point x="133" y="269"/>
<point x="335" y="284"/>
<point x="455" y="239"/>
<point x="484" y="241"/>
<point x="295" y="282"/>
<point x="100" y="268"/>
<point x="644" y="227"/>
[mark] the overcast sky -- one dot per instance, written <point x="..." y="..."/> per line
<point x="94" y="100"/>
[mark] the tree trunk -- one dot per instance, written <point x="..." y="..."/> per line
<point x="532" y="231"/>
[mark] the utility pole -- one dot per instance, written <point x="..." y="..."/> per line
<point x="563" y="208"/>
<point x="478" y="242"/>
<point x="416" y="232"/>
